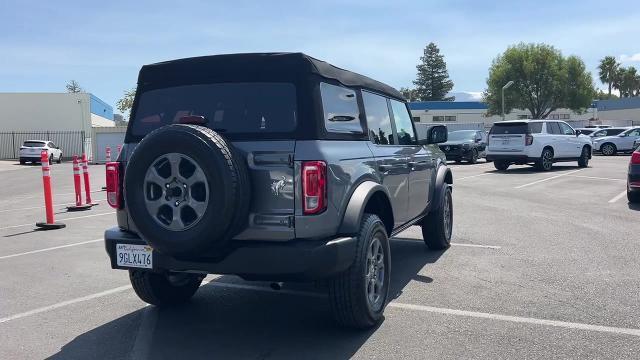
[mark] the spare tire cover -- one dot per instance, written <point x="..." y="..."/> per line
<point x="186" y="190"/>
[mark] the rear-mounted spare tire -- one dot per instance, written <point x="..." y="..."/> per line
<point x="187" y="191"/>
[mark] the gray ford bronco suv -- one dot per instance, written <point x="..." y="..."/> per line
<point x="275" y="167"/>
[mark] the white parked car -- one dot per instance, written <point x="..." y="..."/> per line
<point x="623" y="142"/>
<point x="537" y="142"/>
<point x="31" y="149"/>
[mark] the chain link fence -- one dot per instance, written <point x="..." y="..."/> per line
<point x="70" y="142"/>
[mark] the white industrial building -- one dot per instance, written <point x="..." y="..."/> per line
<point x="620" y="112"/>
<point x="67" y="119"/>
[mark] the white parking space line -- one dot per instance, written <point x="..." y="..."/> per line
<point x="471" y="176"/>
<point x="546" y="179"/>
<point x="65" y="219"/>
<point x="64" y="303"/>
<point x="42" y="207"/>
<point x="49" y="249"/>
<point x="596" y="178"/>
<point x="518" y="319"/>
<point x="393" y="304"/>
<point x="618" y="197"/>
<point x="453" y="244"/>
<point x="54" y="194"/>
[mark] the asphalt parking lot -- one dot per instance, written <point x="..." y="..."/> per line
<point x="543" y="265"/>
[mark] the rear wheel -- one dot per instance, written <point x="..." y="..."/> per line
<point x="583" y="161"/>
<point x="438" y="225"/>
<point x="501" y="165"/>
<point x="358" y="296"/>
<point x="164" y="289"/>
<point x="608" y="149"/>
<point x="545" y="163"/>
<point x="59" y="159"/>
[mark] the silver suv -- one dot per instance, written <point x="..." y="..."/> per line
<point x="276" y="167"/>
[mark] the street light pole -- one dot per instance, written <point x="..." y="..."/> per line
<point x="506" y="86"/>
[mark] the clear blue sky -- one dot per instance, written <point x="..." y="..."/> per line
<point x="102" y="44"/>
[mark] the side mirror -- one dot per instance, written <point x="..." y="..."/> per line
<point x="578" y="132"/>
<point x="435" y="134"/>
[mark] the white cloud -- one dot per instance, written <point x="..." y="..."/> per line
<point x="630" y="58"/>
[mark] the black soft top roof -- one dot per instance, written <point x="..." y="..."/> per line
<point x="252" y="67"/>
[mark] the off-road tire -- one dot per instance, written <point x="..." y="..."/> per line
<point x="229" y="200"/>
<point x="348" y="292"/>
<point x="435" y="233"/>
<point x="156" y="289"/>
<point x="583" y="161"/>
<point x="501" y="165"/>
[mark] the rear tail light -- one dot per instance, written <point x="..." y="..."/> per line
<point x="528" y="139"/>
<point x="314" y="187"/>
<point x="113" y="184"/>
<point x="635" y="158"/>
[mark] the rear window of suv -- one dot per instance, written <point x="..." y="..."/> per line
<point x="232" y="108"/>
<point x="509" y="128"/>
<point x="33" y="144"/>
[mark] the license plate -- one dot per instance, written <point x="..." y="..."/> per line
<point x="138" y="256"/>
<point x="505" y="142"/>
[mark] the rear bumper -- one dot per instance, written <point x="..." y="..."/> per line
<point x="517" y="159"/>
<point x="30" y="158"/>
<point x="294" y="260"/>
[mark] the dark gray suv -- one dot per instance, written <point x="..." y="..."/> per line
<point x="277" y="167"/>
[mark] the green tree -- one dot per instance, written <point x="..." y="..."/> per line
<point x="544" y="81"/>
<point x="125" y="104"/>
<point x="73" y="87"/>
<point x="627" y="82"/>
<point x="409" y="94"/>
<point x="433" y="81"/>
<point x="601" y="95"/>
<point x="608" y="71"/>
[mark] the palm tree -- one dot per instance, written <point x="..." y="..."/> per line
<point x="608" y="71"/>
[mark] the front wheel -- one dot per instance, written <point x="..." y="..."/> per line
<point x="501" y="165"/>
<point x="164" y="289"/>
<point x="358" y="296"/>
<point x="438" y="225"/>
<point x="474" y="156"/>
<point x="583" y="161"/>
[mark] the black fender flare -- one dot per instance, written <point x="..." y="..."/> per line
<point x="444" y="177"/>
<point x="355" y="207"/>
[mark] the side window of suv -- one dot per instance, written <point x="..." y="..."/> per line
<point x="566" y="129"/>
<point x="378" y="119"/>
<point x="404" y="126"/>
<point x="340" y="107"/>
<point x="553" y="128"/>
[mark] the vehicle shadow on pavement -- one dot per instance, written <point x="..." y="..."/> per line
<point x="229" y="323"/>
<point x="527" y="169"/>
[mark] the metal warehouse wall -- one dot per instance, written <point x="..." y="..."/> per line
<point x="45" y="112"/>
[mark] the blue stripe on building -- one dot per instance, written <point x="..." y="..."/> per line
<point x="618" y="104"/>
<point x="101" y="108"/>
<point x="447" y="105"/>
